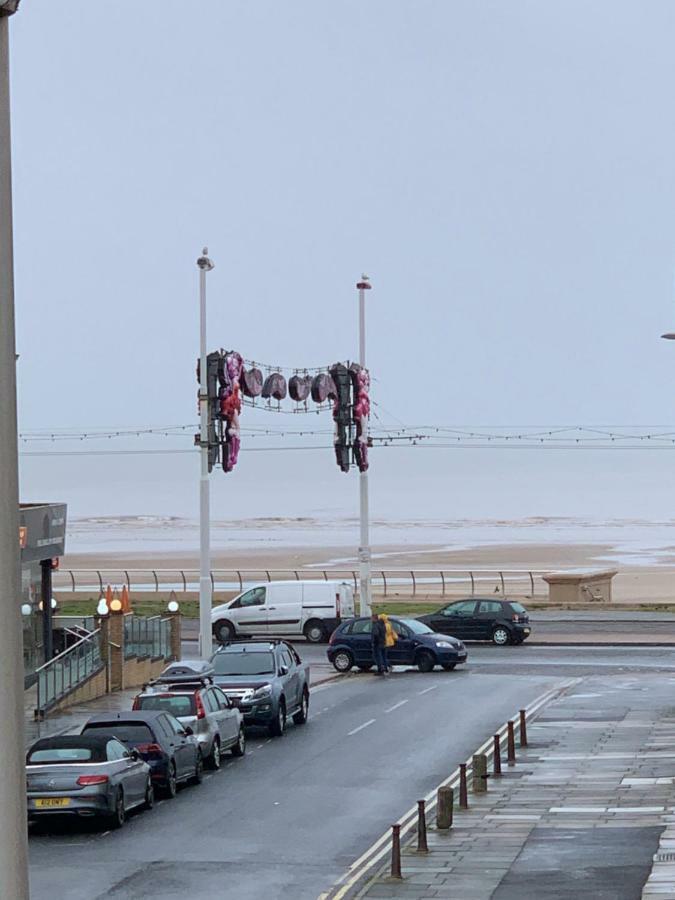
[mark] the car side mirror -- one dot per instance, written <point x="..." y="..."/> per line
<point x="188" y="731"/>
<point x="283" y="670"/>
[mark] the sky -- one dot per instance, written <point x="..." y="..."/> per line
<point x="503" y="172"/>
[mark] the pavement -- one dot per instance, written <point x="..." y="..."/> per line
<point x="587" y="811"/>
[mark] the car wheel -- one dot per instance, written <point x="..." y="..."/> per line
<point x="149" y="795"/>
<point x="119" y="816"/>
<point x="314" y="631"/>
<point x="224" y="632"/>
<point x="214" y="758"/>
<point x="240" y="747"/>
<point x="301" y="715"/>
<point x="278" y="727"/>
<point x="501" y="636"/>
<point x="198" y="776"/>
<point x="365" y="668"/>
<point x="425" y="661"/>
<point x="171" y="786"/>
<point x="449" y="666"/>
<point x="343" y="661"/>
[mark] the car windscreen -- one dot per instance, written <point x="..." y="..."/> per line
<point x="244" y="662"/>
<point x="518" y="607"/>
<point x="127" y="732"/>
<point x="176" y="704"/>
<point x="417" y="627"/>
<point x="63" y="755"/>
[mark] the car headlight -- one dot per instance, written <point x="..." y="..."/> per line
<point x="264" y="691"/>
<point x="446" y="645"/>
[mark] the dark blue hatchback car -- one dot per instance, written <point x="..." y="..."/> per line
<point x="417" y="645"/>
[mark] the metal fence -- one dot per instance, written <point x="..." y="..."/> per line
<point x="64" y="672"/>
<point x="385" y="582"/>
<point x="147" y="636"/>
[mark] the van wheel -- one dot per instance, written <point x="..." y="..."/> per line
<point x="224" y="632"/>
<point x="314" y="631"/>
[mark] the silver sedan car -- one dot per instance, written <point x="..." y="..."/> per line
<point x="86" y="776"/>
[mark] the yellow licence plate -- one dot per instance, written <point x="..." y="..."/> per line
<point x="52" y="801"/>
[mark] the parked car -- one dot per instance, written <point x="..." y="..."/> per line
<point x="482" y="619"/>
<point x="90" y="775"/>
<point x="291" y="608"/>
<point x="417" y="645"/>
<point x="216" y="723"/>
<point x="266" y="680"/>
<point x="171" y="751"/>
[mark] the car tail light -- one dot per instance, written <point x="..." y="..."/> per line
<point x="201" y="712"/>
<point x="136" y="704"/>
<point x="151" y="750"/>
<point x="86" y="780"/>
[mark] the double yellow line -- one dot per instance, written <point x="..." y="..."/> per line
<point x="373" y="856"/>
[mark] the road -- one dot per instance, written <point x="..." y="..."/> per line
<point x="289" y="818"/>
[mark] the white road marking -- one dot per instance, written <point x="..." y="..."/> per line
<point x="426" y="690"/>
<point x="395" y="706"/>
<point x="361" y="727"/>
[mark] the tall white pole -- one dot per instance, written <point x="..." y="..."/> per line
<point x="13" y="841"/>
<point x="364" y="548"/>
<point x="205" y="588"/>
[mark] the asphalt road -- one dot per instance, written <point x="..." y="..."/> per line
<point x="289" y="818"/>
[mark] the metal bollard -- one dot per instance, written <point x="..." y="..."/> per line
<point x="523" y="728"/>
<point x="396" y="851"/>
<point x="479" y="773"/>
<point x="445" y="801"/>
<point x="511" y="745"/>
<point x="421" y="827"/>
<point x="463" y="794"/>
<point x="497" y="756"/>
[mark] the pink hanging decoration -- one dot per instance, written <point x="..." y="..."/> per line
<point x="230" y="408"/>
<point x="361" y="414"/>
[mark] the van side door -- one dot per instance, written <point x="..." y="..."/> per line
<point x="284" y="608"/>
<point x="249" y="612"/>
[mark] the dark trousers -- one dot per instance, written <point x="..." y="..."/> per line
<point x="380" y="657"/>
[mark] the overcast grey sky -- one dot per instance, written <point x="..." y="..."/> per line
<point x="504" y="172"/>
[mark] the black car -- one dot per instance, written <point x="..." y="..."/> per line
<point x="482" y="619"/>
<point x="170" y="749"/>
<point x="417" y="645"/>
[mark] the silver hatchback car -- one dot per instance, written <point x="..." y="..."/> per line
<point x="215" y="722"/>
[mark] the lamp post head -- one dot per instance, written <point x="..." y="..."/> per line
<point x="204" y="262"/>
<point x="7" y="7"/>
<point x="364" y="284"/>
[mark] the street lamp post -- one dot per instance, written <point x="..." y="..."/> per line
<point x="364" y="548"/>
<point x="13" y="843"/>
<point x="205" y="590"/>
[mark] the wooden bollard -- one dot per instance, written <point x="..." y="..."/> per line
<point x="497" y="756"/>
<point x="421" y="827"/>
<point x="511" y="745"/>
<point x="523" y="728"/>
<point x="463" y="793"/>
<point x="445" y="801"/>
<point x="479" y="768"/>
<point x="395" y="851"/>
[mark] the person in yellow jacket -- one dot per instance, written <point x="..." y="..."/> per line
<point x="390" y="638"/>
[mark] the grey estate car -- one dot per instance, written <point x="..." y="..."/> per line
<point x="87" y="776"/>
<point x="215" y="721"/>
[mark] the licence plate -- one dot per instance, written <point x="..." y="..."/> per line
<point x="52" y="801"/>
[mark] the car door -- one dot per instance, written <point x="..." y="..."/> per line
<point x="284" y="608"/>
<point x="458" y="620"/>
<point x="401" y="654"/>
<point x="291" y="679"/>
<point x="489" y="614"/>
<point x="229" y="717"/>
<point x="183" y="748"/>
<point x="130" y="772"/>
<point x="360" y="643"/>
<point x="249" y="611"/>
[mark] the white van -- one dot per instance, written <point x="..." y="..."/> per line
<point x="289" y="608"/>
